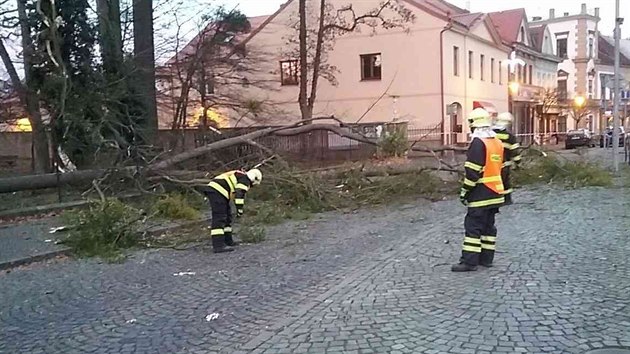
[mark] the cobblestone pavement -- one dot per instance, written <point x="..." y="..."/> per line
<point x="374" y="281"/>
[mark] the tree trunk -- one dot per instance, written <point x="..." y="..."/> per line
<point x="318" y="56"/>
<point x="302" y="99"/>
<point x="110" y="36"/>
<point x="30" y="98"/>
<point x="144" y="56"/>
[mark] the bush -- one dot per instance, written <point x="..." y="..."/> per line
<point x="103" y="230"/>
<point x="394" y="143"/>
<point x="570" y="174"/>
<point x="176" y="206"/>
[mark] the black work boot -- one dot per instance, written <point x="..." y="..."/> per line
<point x="218" y="245"/>
<point x="463" y="267"/>
<point x="229" y="240"/>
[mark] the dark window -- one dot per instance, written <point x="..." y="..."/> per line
<point x="456" y="61"/>
<point x="492" y="70"/>
<point x="482" y="66"/>
<point x="524" y="74"/>
<point x="562" y="47"/>
<point x="522" y="35"/>
<point x="530" y="74"/>
<point x="562" y="89"/>
<point x="289" y="72"/>
<point x="371" y="66"/>
<point x="562" y="124"/>
<point x="470" y="64"/>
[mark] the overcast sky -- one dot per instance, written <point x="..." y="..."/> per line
<point x="533" y="8"/>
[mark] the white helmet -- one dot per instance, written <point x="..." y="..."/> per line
<point x="254" y="175"/>
<point x="479" y="118"/>
<point x="504" y="120"/>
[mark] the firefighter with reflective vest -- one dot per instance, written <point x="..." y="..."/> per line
<point x="512" y="150"/>
<point x="482" y="192"/>
<point x="229" y="186"/>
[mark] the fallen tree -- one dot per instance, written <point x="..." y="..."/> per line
<point x="43" y="181"/>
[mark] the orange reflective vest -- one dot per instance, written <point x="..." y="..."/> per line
<point x="494" y="162"/>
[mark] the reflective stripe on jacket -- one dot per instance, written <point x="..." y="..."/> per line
<point x="232" y="185"/>
<point x="483" y="185"/>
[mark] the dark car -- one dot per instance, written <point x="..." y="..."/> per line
<point x="606" y="138"/>
<point x="579" y="137"/>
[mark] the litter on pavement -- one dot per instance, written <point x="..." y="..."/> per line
<point x="184" y="273"/>
<point x="212" y="317"/>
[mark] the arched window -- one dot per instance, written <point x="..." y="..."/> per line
<point x="522" y="34"/>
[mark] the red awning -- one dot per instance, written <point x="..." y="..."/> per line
<point x="485" y="105"/>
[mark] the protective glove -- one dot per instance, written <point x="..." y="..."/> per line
<point x="239" y="213"/>
<point x="463" y="197"/>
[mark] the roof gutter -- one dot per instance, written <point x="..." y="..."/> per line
<point x="448" y="26"/>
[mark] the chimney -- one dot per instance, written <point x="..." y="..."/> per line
<point x="597" y="12"/>
<point x="566" y="14"/>
<point x="552" y="14"/>
<point x="536" y="18"/>
<point x="583" y="12"/>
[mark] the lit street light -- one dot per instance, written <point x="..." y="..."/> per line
<point x="514" y="86"/>
<point x="579" y="101"/>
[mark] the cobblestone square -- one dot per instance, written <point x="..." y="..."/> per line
<point x="372" y="281"/>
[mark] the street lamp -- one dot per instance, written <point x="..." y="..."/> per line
<point x="579" y="101"/>
<point x="514" y="86"/>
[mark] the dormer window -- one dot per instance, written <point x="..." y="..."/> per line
<point x="522" y="35"/>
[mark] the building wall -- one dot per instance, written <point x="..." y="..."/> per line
<point x="579" y="63"/>
<point x="464" y="90"/>
<point x="409" y="87"/>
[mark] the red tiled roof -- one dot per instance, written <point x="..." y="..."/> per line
<point x="508" y="23"/>
<point x="190" y="48"/>
<point x="468" y="19"/>
<point x="537" y="34"/>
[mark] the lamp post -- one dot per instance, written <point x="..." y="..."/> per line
<point x="513" y="87"/>
<point x="615" y="134"/>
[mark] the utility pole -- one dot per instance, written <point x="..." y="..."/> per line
<point x="615" y="137"/>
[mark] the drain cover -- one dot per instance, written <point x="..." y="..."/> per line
<point x="609" y="351"/>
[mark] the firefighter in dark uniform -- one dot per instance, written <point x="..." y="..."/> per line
<point x="482" y="193"/>
<point x="512" y="150"/>
<point x="232" y="185"/>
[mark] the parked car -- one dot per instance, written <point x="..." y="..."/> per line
<point x="579" y="137"/>
<point x="606" y="138"/>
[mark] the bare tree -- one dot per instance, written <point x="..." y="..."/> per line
<point x="578" y="114"/>
<point x="212" y="72"/>
<point x="28" y="97"/>
<point x="315" y="42"/>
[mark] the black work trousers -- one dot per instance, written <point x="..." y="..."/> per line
<point x="507" y="184"/>
<point x="481" y="236"/>
<point x="221" y="215"/>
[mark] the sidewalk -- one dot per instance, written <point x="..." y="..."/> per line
<point x="31" y="241"/>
